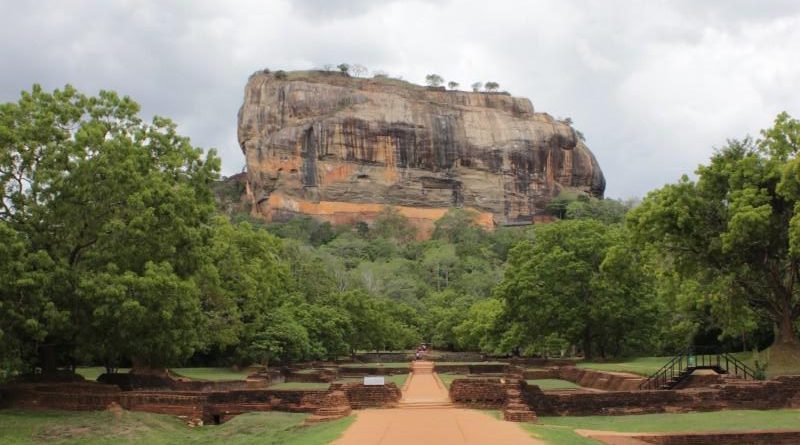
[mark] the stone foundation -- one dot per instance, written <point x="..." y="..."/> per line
<point x="729" y="438"/>
<point x="783" y="392"/>
<point x="208" y="406"/>
<point x="606" y="381"/>
<point x="378" y="396"/>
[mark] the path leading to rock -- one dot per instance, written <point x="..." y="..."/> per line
<point x="426" y="417"/>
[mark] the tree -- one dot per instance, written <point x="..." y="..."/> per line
<point x="155" y="318"/>
<point x="579" y="281"/>
<point x="452" y="85"/>
<point x="391" y="224"/>
<point x="103" y="193"/>
<point x="343" y="68"/>
<point x="358" y="70"/>
<point x="434" y="80"/>
<point x="492" y="86"/>
<point x="27" y="314"/>
<point x="736" y="230"/>
<point x="476" y="87"/>
<point x="277" y="335"/>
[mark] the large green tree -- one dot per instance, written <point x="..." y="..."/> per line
<point x="579" y="280"/>
<point x="736" y="229"/>
<point x="103" y="193"/>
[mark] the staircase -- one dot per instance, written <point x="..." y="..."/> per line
<point x="424" y="390"/>
<point x="683" y="365"/>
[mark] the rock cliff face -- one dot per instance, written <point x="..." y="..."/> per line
<point x="341" y="149"/>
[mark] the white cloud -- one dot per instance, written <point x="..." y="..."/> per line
<point x="653" y="85"/>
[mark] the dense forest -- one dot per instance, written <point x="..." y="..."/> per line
<point x="114" y="251"/>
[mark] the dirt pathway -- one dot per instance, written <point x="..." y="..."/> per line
<point x="426" y="417"/>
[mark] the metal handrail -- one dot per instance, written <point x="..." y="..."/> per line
<point x="683" y="362"/>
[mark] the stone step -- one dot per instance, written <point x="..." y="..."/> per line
<point x="429" y="405"/>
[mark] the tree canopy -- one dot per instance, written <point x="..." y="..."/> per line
<point x="735" y="230"/>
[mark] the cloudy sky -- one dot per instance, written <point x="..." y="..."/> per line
<point x="654" y="85"/>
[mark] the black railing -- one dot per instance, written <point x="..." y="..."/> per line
<point x="682" y="365"/>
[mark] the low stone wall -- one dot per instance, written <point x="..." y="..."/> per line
<point x="491" y="368"/>
<point x="388" y="357"/>
<point x="478" y="393"/>
<point x="730" y="438"/>
<point x="224" y="405"/>
<point x="312" y="376"/>
<point x="701" y="381"/>
<point x="131" y="382"/>
<point x="535" y="374"/>
<point x="210" y="406"/>
<point x="606" y="381"/>
<point x="373" y="370"/>
<point x="538" y="361"/>
<point x="373" y="396"/>
<point x="783" y="392"/>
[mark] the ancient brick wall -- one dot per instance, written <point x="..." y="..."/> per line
<point x="478" y="393"/>
<point x="266" y="400"/>
<point x="490" y="368"/>
<point x="535" y="374"/>
<point x="774" y="394"/>
<point x="313" y="376"/>
<point x="130" y="382"/>
<point x="737" y="438"/>
<point x="700" y="381"/>
<point x="373" y="396"/>
<point x="376" y="370"/>
<point x="606" y="381"/>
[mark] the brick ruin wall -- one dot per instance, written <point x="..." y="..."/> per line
<point x="783" y="392"/>
<point x="478" y="393"/>
<point x="606" y="381"/>
<point x="490" y="368"/>
<point x="373" y="370"/>
<point x="737" y="438"/>
<point x="374" y="396"/>
<point x="211" y="406"/>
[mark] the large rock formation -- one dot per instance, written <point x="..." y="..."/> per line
<point x="342" y="148"/>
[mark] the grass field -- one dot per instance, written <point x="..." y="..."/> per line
<point x="642" y="365"/>
<point x="548" y="384"/>
<point x="560" y="430"/>
<point x="103" y="428"/>
<point x="92" y="373"/>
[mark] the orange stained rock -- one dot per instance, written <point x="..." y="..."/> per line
<point x="351" y="212"/>
<point x="428" y="426"/>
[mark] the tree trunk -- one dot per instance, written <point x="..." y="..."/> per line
<point x="587" y="344"/>
<point x="784" y="332"/>
<point x="47" y="358"/>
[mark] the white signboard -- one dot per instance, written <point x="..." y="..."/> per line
<point x="373" y="381"/>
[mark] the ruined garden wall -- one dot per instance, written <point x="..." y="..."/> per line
<point x="783" y="392"/>
<point x="606" y="381"/>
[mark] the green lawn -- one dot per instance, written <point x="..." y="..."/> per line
<point x="646" y="366"/>
<point x="447" y="379"/>
<point x="93" y="372"/>
<point x="102" y="428"/>
<point x="546" y="384"/>
<point x="560" y="430"/>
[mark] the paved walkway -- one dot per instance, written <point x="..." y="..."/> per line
<point x="425" y="417"/>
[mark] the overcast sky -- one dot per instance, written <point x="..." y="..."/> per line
<point x="653" y="85"/>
